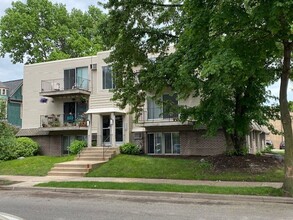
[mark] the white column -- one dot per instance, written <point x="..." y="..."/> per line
<point x="89" y="131"/>
<point x="112" y="130"/>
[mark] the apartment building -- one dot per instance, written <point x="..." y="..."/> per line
<point x="70" y="99"/>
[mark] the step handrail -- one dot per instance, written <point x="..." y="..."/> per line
<point x="104" y="146"/>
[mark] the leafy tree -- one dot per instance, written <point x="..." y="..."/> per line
<point x="226" y="52"/>
<point x="39" y="30"/>
<point x="7" y="136"/>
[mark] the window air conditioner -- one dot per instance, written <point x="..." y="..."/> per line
<point x="93" y="66"/>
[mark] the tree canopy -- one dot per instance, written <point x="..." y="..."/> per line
<point x="226" y="52"/>
<point x="39" y="30"/>
<point x="211" y="60"/>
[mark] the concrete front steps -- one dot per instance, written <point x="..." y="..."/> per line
<point x="88" y="159"/>
<point x="97" y="154"/>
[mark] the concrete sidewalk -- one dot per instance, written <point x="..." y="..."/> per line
<point x="26" y="183"/>
<point x="30" y="181"/>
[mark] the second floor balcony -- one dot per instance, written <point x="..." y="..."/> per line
<point x="62" y="87"/>
<point x="158" y="116"/>
<point x="63" y="122"/>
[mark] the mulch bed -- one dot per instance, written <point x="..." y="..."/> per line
<point x="249" y="163"/>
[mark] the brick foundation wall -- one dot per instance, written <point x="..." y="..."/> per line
<point x="195" y="143"/>
<point x="49" y="145"/>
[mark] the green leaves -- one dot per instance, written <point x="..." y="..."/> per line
<point x="39" y="30"/>
<point x="226" y="52"/>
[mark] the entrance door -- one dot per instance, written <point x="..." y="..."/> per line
<point x="106" y="129"/>
<point x="69" y="112"/>
<point x="119" y="128"/>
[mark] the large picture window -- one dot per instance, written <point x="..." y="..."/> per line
<point x="156" y="111"/>
<point x="108" y="81"/>
<point x="163" y="143"/>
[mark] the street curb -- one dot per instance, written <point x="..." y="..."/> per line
<point x="158" y="196"/>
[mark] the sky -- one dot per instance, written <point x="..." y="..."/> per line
<point x="10" y="71"/>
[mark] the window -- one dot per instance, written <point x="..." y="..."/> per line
<point x="108" y="81"/>
<point x="163" y="143"/>
<point x="76" y="78"/>
<point x="3" y="91"/>
<point x="166" y="110"/>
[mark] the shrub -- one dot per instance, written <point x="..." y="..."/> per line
<point x="7" y="141"/>
<point x="129" y="148"/>
<point x="76" y="146"/>
<point x="241" y="152"/>
<point x="268" y="149"/>
<point x="25" y="147"/>
<point x="258" y="154"/>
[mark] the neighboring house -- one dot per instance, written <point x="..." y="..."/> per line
<point x="71" y="99"/>
<point x="11" y="91"/>
<point x="277" y="139"/>
<point x="4" y="95"/>
<point x="256" y="140"/>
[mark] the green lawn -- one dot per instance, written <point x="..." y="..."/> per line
<point x="259" y="191"/>
<point x="31" y="166"/>
<point x="6" y="182"/>
<point x="140" y="167"/>
<point x="278" y="151"/>
<point x="175" y="168"/>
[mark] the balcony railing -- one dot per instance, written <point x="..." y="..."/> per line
<point x="55" y="85"/>
<point x="63" y="120"/>
<point x="157" y="114"/>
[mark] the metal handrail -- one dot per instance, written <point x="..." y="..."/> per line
<point x="157" y="114"/>
<point x="62" y="84"/>
<point x="107" y="139"/>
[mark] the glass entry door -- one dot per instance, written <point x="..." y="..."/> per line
<point x="106" y="129"/>
<point x="119" y="128"/>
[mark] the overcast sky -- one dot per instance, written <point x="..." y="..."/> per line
<point x="9" y="71"/>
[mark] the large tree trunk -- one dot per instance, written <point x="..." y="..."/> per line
<point x="286" y="119"/>
<point x="235" y="143"/>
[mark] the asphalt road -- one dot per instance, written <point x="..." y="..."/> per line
<point x="46" y="205"/>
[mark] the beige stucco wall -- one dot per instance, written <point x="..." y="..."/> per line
<point x="99" y="98"/>
<point x="276" y="138"/>
<point x="33" y="75"/>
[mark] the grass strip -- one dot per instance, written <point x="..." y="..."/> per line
<point x="257" y="191"/>
<point x="6" y="182"/>
<point x="31" y="166"/>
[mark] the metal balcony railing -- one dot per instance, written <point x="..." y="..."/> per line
<point x="63" y="120"/>
<point x="157" y="114"/>
<point x="63" y="84"/>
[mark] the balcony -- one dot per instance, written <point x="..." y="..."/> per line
<point x="158" y="117"/>
<point x="63" y="122"/>
<point x="60" y="87"/>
